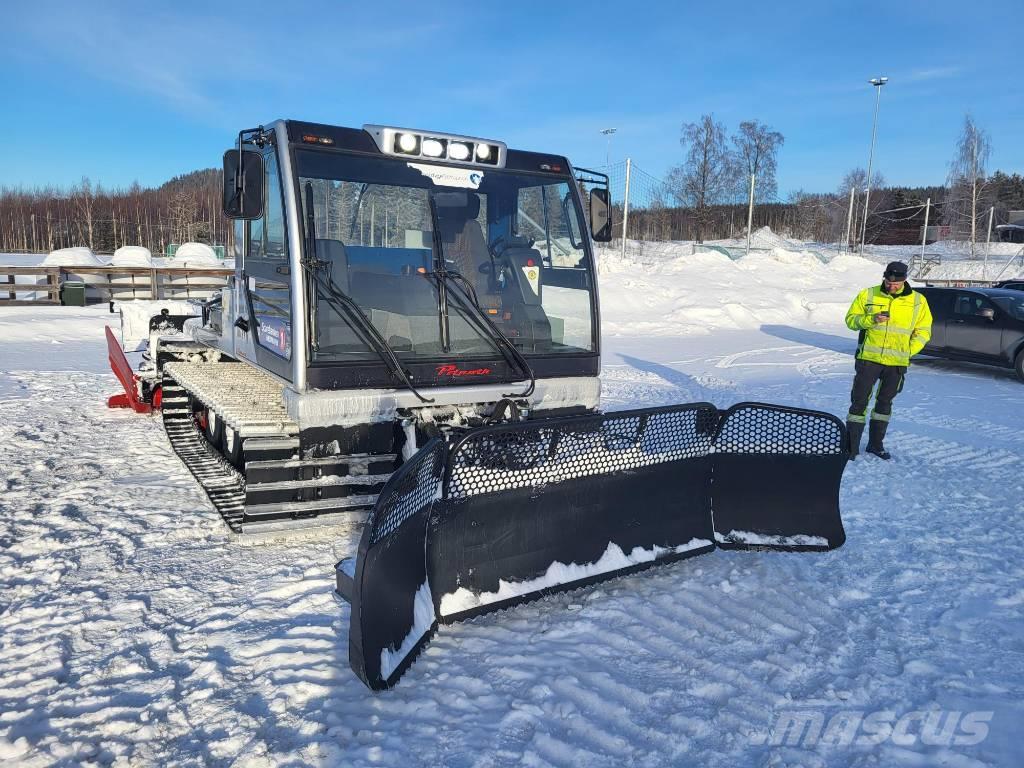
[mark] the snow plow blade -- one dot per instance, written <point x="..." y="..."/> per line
<point x="123" y="371"/>
<point x="514" y="512"/>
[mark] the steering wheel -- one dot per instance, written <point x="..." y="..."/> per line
<point x="496" y="249"/>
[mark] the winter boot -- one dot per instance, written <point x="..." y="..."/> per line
<point x="855" y="429"/>
<point x="875" y="437"/>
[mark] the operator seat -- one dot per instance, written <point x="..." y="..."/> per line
<point x="463" y="241"/>
<point x="332" y="331"/>
<point x="333" y="252"/>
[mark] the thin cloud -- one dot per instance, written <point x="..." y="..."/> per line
<point x="932" y="73"/>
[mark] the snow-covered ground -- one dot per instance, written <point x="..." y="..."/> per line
<point x="135" y="631"/>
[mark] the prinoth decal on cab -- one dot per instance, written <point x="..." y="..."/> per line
<point x="454" y="370"/>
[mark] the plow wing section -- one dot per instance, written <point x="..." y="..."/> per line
<point x="513" y="512"/>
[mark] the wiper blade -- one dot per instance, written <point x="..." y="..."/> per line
<point x="483" y="322"/>
<point x="465" y="296"/>
<point x="344" y="305"/>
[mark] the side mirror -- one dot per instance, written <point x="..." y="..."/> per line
<point x="988" y="313"/>
<point x="243" y="184"/>
<point x="600" y="220"/>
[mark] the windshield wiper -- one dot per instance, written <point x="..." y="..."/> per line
<point x="469" y="302"/>
<point x="343" y="305"/>
<point x="466" y="298"/>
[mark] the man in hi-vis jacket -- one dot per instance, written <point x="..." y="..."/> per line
<point x="894" y="323"/>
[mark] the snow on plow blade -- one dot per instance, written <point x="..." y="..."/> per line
<point x="512" y="512"/>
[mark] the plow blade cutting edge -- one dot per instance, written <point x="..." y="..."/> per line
<point x="513" y="512"/>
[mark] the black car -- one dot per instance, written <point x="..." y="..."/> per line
<point x="980" y="325"/>
<point x="1017" y="285"/>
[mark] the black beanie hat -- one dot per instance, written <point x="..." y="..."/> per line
<point x="896" y="270"/>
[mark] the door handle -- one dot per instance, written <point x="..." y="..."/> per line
<point x="959" y="322"/>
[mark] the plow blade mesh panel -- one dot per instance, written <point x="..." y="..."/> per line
<point x="513" y="512"/>
<point x="776" y="478"/>
<point x="535" y="507"/>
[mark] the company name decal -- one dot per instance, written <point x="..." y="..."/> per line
<point x="467" y="178"/>
<point x="454" y="370"/>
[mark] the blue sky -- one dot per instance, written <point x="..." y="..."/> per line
<point x="143" y="91"/>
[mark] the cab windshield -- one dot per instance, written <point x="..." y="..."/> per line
<point x="511" y="243"/>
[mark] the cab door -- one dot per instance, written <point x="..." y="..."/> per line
<point x="266" y="278"/>
<point x="940" y="302"/>
<point x="969" y="332"/>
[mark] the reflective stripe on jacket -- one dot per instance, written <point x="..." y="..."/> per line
<point x="903" y="336"/>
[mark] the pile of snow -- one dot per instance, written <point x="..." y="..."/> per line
<point x="763" y="239"/>
<point x="79" y="256"/>
<point x="195" y="255"/>
<point x="698" y="293"/>
<point x="132" y="256"/>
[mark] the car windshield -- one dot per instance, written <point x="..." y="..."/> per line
<point x="1011" y="305"/>
<point x="385" y="228"/>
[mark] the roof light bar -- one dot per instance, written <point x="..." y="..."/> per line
<point x="437" y="146"/>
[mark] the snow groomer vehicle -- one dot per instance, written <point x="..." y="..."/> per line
<point x="411" y="341"/>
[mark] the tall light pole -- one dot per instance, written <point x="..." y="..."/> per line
<point x="878" y="82"/>
<point x="608" y="148"/>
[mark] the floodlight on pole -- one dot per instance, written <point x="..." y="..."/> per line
<point x="607" y="132"/>
<point x="877" y="82"/>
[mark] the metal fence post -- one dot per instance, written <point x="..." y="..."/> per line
<point x="924" y="233"/>
<point x="988" y="242"/>
<point x="849" y="217"/>
<point x="750" y="212"/>
<point x="625" y="208"/>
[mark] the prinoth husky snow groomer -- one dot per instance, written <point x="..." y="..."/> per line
<point x="411" y="339"/>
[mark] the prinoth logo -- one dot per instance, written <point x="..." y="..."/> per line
<point x="454" y="370"/>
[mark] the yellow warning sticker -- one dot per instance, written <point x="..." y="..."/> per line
<point x="532" y="275"/>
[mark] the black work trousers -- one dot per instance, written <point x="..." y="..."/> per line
<point x="890" y="383"/>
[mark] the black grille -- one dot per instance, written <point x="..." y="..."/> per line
<point x="768" y="429"/>
<point x="415" y="485"/>
<point x="526" y="455"/>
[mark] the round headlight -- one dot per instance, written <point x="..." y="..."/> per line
<point x="483" y="151"/>
<point x="433" y="148"/>
<point x="457" y="151"/>
<point x="406" y="142"/>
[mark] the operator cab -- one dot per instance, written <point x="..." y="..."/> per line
<point x="368" y="256"/>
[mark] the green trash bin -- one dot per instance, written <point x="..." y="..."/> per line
<point x="72" y="293"/>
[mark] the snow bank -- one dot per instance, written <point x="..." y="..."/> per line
<point x="708" y="291"/>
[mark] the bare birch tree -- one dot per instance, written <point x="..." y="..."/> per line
<point x="967" y="178"/>
<point x="757" y="148"/>
<point x="708" y="174"/>
<point x="85" y="201"/>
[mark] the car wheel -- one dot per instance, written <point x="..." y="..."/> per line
<point x="1018" y="365"/>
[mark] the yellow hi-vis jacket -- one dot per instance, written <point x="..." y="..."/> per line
<point x="903" y="336"/>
